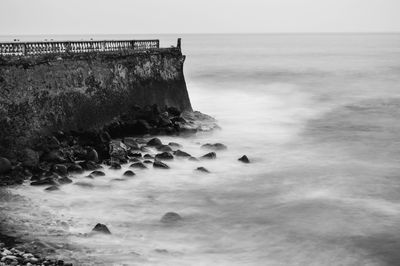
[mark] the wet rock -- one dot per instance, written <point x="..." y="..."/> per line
<point x="174" y="145"/>
<point x="97" y="173"/>
<point x="134" y="160"/>
<point x="144" y="149"/>
<point x="160" y="165"/>
<point x="90" y="165"/>
<point x="75" y="168"/>
<point x="101" y="228"/>
<point x="244" y="159"/>
<point x="147" y="161"/>
<point x="215" y="147"/>
<point x="210" y="156"/>
<point x="138" y="165"/>
<point x="129" y="173"/>
<point x="193" y="159"/>
<point x="115" y="166"/>
<point x="64" y="180"/>
<point x="180" y="153"/>
<point x="5" y="165"/>
<point x="148" y="156"/>
<point x="135" y="154"/>
<point x="60" y="169"/>
<point x="164" y="148"/>
<point x="54" y="156"/>
<point x="154" y="142"/>
<point x="52" y="188"/>
<point x="171" y="217"/>
<point x="131" y="143"/>
<point x="30" y="158"/>
<point x="51" y="180"/>
<point x="118" y="179"/>
<point x="164" y="156"/>
<point x="118" y="149"/>
<point x="174" y="111"/>
<point x="84" y="184"/>
<point x="202" y="169"/>
<point x="92" y="155"/>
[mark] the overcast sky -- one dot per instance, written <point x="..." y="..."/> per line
<point x="197" y="16"/>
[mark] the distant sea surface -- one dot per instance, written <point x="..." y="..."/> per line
<point x="319" y="117"/>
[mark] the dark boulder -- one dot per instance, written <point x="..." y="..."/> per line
<point x="175" y="145"/>
<point x="148" y="156"/>
<point x="135" y="154"/>
<point x="5" y="165"/>
<point x="134" y="160"/>
<point x="50" y="180"/>
<point x="129" y="173"/>
<point x="244" y="159"/>
<point x="92" y="155"/>
<point x="52" y="188"/>
<point x="215" y="147"/>
<point x="160" y="165"/>
<point x="90" y="165"/>
<point x="101" y="228"/>
<point x="64" y="180"/>
<point x="115" y="166"/>
<point x="174" y="111"/>
<point x="131" y="143"/>
<point x="202" y="169"/>
<point x="171" y="217"/>
<point x="164" y="156"/>
<point x="180" y="153"/>
<point x="210" y="155"/>
<point x="164" y="148"/>
<point x="97" y="173"/>
<point x="154" y="142"/>
<point x="60" y="169"/>
<point x="144" y="149"/>
<point x="30" y="158"/>
<point x="138" y="165"/>
<point x="147" y="161"/>
<point x="75" y="168"/>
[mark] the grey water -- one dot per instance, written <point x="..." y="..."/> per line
<point x="319" y="117"/>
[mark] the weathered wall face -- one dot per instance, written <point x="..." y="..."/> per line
<point x="82" y="91"/>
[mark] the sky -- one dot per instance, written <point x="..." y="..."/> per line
<point x="28" y="17"/>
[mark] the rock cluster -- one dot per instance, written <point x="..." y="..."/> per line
<point x="14" y="256"/>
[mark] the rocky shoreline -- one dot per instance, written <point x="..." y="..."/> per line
<point x="127" y="139"/>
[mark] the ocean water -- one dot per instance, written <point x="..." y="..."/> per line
<point x="319" y="118"/>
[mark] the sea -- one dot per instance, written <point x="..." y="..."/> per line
<point x="318" y="115"/>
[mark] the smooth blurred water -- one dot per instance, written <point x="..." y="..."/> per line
<point x="318" y="116"/>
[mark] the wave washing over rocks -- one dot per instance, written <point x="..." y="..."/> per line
<point x="81" y="159"/>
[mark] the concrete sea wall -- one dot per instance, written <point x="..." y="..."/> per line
<point x="43" y="93"/>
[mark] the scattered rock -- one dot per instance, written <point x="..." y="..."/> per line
<point x="194" y="159"/>
<point x="139" y="165"/>
<point x="148" y="156"/>
<point x="90" y="165"/>
<point x="5" y="165"/>
<point x="244" y="159"/>
<point x="210" y="155"/>
<point x="202" y="169"/>
<point x="131" y="143"/>
<point x="215" y="147"/>
<point x="154" y="142"/>
<point x="171" y="217"/>
<point x="75" y="168"/>
<point x="161" y="165"/>
<point x="134" y="160"/>
<point x="164" y="148"/>
<point x="97" y="173"/>
<point x="164" y="156"/>
<point x="101" y="228"/>
<point x="84" y="184"/>
<point x="52" y="188"/>
<point x="92" y="155"/>
<point x="175" y="145"/>
<point x="180" y="153"/>
<point x="115" y="166"/>
<point x="129" y="173"/>
<point x="64" y="180"/>
<point x="51" y="180"/>
<point x="60" y="169"/>
<point x="135" y="155"/>
<point x="147" y="161"/>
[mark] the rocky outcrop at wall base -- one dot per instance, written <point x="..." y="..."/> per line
<point x="43" y="94"/>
